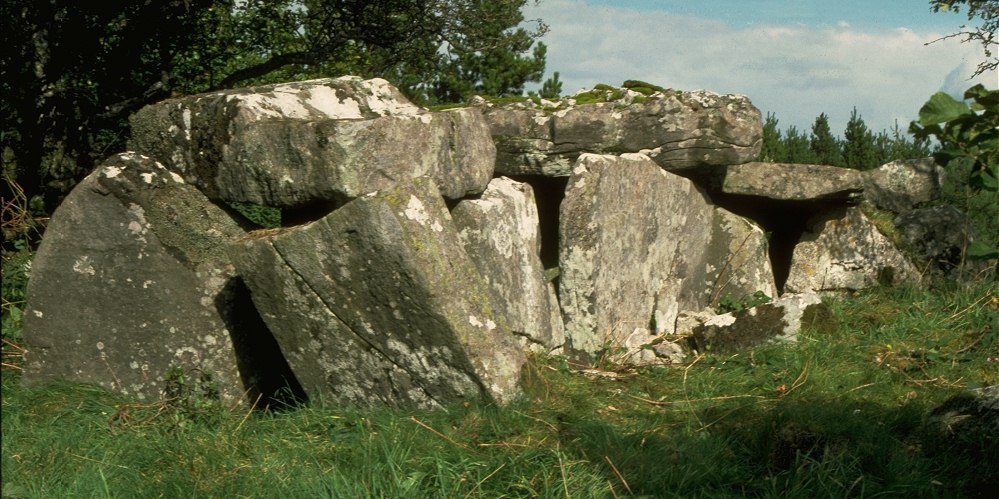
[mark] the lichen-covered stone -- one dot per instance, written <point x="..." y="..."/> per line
<point x="797" y="182"/>
<point x="737" y="259"/>
<point x="940" y="235"/>
<point x="319" y="141"/>
<point x="844" y="250"/>
<point x="638" y="245"/>
<point x="903" y="185"/>
<point x="678" y="130"/>
<point x="778" y="320"/>
<point x="501" y="234"/>
<point x="379" y="304"/>
<point x="131" y="280"/>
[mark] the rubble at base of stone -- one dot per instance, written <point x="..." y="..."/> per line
<point x="432" y="252"/>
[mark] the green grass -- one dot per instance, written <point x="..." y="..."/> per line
<point x="837" y="415"/>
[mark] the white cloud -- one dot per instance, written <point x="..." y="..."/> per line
<point x="794" y="71"/>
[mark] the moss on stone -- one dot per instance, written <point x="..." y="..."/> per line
<point x="642" y="87"/>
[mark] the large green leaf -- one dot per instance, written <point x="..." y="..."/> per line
<point x="942" y="108"/>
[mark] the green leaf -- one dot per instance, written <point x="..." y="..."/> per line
<point x="942" y="108"/>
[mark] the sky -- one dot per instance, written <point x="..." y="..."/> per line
<point x="793" y="58"/>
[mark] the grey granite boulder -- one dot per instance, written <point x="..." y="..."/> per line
<point x="314" y="142"/>
<point x="638" y="245"/>
<point x="797" y="182"/>
<point x="378" y="304"/>
<point x="501" y="234"/>
<point x="132" y="281"/>
<point x="678" y="130"/>
<point x="903" y="185"/>
<point x="844" y="250"/>
<point x="737" y="259"/>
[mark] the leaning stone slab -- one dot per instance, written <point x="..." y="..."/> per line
<point x="778" y="320"/>
<point x="678" y="130"/>
<point x="318" y="141"/>
<point x="797" y="182"/>
<point x="631" y="262"/>
<point x="132" y="280"/>
<point x="903" y="185"/>
<point x="378" y="304"/>
<point x="844" y="250"/>
<point x="737" y="259"/>
<point x="500" y="231"/>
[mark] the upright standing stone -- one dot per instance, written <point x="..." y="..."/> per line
<point x="844" y="250"/>
<point x="500" y="232"/>
<point x="379" y="304"/>
<point x="131" y="281"/>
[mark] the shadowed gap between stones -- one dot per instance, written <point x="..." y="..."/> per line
<point x="264" y="371"/>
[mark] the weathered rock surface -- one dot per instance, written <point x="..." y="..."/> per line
<point x="778" y="320"/>
<point x="740" y="248"/>
<point x="843" y="250"/>
<point x="793" y="181"/>
<point x="132" y="280"/>
<point x="501" y="234"/>
<point x="938" y="234"/>
<point x="678" y="130"/>
<point x="385" y="293"/>
<point x="903" y="185"/>
<point x="313" y="142"/>
<point x="631" y="262"/>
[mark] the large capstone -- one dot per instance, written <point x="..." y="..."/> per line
<point x="678" y="130"/>
<point x="314" y="142"/>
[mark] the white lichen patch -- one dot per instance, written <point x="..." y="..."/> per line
<point x="721" y="320"/>
<point x="186" y="117"/>
<point x="385" y="102"/>
<point x="83" y="265"/>
<point x="177" y="178"/>
<point x="416" y="211"/>
<point x="147" y="177"/>
<point x="488" y="324"/>
<point x="112" y="171"/>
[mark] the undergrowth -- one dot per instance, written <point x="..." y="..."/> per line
<point x="838" y="414"/>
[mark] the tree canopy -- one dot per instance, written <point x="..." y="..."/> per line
<point x="986" y="13"/>
<point x="72" y="72"/>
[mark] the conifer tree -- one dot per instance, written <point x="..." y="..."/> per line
<point x="797" y="147"/>
<point x="774" y="149"/>
<point x="824" y="146"/>
<point x="858" y="147"/>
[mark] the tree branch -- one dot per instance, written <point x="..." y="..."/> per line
<point x="273" y="64"/>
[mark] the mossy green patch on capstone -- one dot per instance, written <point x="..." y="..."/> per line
<point x="642" y="87"/>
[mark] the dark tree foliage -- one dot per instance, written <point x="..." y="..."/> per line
<point x="552" y="87"/>
<point x="774" y="148"/>
<point x="797" y="147"/>
<point x="858" y="144"/>
<point x="825" y="147"/>
<point x="72" y="71"/>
